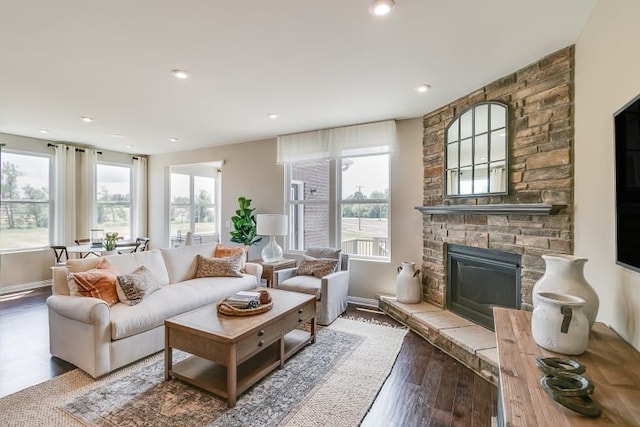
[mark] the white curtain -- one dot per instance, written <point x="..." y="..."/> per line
<point x="87" y="183"/>
<point x="64" y="216"/>
<point x="139" y="198"/>
<point x="369" y="138"/>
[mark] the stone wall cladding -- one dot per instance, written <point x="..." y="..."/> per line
<point x="540" y="99"/>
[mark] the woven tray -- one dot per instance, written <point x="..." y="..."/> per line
<point x="229" y="310"/>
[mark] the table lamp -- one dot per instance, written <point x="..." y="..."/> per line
<point x="271" y="225"/>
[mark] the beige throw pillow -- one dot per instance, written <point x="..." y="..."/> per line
<point x="317" y="267"/>
<point x="219" y="267"/>
<point x="132" y="288"/>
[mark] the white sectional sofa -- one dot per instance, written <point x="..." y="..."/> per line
<point x="98" y="339"/>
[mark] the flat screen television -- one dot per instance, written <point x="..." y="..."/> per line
<point x="627" y="152"/>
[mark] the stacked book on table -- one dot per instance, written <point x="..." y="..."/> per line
<point x="244" y="299"/>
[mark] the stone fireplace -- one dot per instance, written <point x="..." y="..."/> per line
<point x="479" y="279"/>
<point x="536" y="216"/>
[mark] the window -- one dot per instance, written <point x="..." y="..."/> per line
<point x="26" y="202"/>
<point x="360" y="203"/>
<point x="365" y="206"/>
<point x="309" y="193"/>
<point x="113" y="192"/>
<point x="193" y="204"/>
<point x="338" y="181"/>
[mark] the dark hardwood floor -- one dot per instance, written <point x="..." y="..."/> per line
<point x="426" y="387"/>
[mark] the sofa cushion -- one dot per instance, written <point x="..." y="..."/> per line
<point x="305" y="284"/>
<point x="133" y="287"/>
<point x="126" y="264"/>
<point x="323" y="252"/>
<point x="181" y="261"/>
<point x="318" y="267"/>
<point x="172" y="300"/>
<point x="219" y="267"/>
<point x="98" y="282"/>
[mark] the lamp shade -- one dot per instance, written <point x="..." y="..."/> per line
<point x="271" y="224"/>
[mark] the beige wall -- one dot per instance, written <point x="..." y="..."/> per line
<point x="250" y="170"/>
<point x="607" y="77"/>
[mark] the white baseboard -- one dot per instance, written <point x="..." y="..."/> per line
<point x="367" y="302"/>
<point x="24" y="286"/>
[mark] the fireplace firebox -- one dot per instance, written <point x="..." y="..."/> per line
<point x="480" y="279"/>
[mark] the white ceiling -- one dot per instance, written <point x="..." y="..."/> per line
<point x="317" y="64"/>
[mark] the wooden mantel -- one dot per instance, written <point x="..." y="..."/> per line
<point x="612" y="365"/>
<point x="495" y="209"/>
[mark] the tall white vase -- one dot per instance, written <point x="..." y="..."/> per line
<point x="565" y="274"/>
<point x="408" y="286"/>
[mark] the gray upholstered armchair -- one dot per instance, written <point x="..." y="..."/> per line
<point x="331" y="290"/>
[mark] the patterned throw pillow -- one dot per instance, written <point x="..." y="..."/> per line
<point x="99" y="282"/>
<point x="219" y="267"/>
<point x="227" y="252"/>
<point x="131" y="288"/>
<point x="317" y="267"/>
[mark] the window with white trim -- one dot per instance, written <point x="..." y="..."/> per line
<point x="113" y="198"/>
<point x="26" y="204"/>
<point x="338" y="181"/>
<point x="193" y="204"/>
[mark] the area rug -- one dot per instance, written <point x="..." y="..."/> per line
<point x="332" y="382"/>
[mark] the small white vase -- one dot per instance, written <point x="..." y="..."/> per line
<point x="565" y="274"/>
<point x="558" y="323"/>
<point x="408" y="286"/>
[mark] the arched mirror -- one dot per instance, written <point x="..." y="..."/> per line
<point x="476" y="156"/>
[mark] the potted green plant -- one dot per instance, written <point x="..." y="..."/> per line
<point x="244" y="224"/>
<point x="110" y="241"/>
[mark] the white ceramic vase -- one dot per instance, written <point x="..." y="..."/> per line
<point x="565" y="274"/>
<point x="408" y="286"/>
<point x="559" y="324"/>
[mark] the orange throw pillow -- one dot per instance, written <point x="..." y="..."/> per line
<point x="99" y="282"/>
<point x="229" y="252"/>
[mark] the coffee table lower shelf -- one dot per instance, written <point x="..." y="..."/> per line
<point x="212" y="377"/>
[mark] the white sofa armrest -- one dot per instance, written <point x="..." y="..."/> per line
<point x="80" y="332"/>
<point x="282" y="275"/>
<point x="254" y="269"/>
<point x="83" y="309"/>
<point x="334" y="290"/>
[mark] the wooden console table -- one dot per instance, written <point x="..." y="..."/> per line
<point x="612" y="365"/>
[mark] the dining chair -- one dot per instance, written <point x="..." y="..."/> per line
<point x="61" y="254"/>
<point x="128" y="247"/>
<point x="144" y="244"/>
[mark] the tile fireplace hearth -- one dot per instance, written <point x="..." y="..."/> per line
<point x="473" y="345"/>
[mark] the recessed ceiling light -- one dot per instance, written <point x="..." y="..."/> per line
<point x="116" y="135"/>
<point x="272" y="115"/>
<point x="86" y="119"/>
<point x="381" y="7"/>
<point x="128" y="146"/>
<point x="423" y="88"/>
<point x="172" y="139"/>
<point x="44" y="131"/>
<point x="180" y="74"/>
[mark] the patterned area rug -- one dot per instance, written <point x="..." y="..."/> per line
<point x="332" y="382"/>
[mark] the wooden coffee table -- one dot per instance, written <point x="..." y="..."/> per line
<point x="231" y="353"/>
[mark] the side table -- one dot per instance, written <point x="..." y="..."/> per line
<point x="269" y="268"/>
